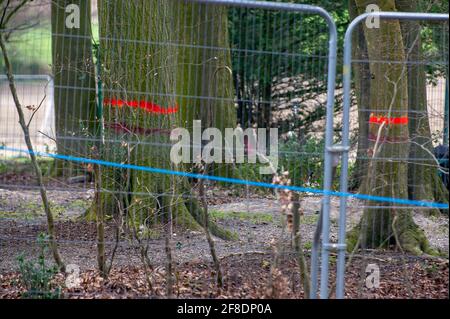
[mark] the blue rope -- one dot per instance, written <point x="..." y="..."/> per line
<point x="233" y="180"/>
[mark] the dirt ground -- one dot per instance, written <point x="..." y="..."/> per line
<point x="245" y="262"/>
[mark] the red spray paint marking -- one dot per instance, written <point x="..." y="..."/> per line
<point x="147" y="106"/>
<point x="389" y="120"/>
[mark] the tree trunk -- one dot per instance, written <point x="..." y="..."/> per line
<point x="204" y="76"/>
<point x="423" y="178"/>
<point x="74" y="79"/>
<point x="142" y="67"/>
<point x="388" y="141"/>
<point x="361" y="73"/>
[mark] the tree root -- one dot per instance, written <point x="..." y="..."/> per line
<point x="187" y="213"/>
<point x="198" y="215"/>
<point x="413" y="240"/>
<point x="405" y="234"/>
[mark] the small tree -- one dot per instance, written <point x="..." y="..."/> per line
<point x="7" y="14"/>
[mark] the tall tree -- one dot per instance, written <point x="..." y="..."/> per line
<point x="153" y="83"/>
<point x="204" y="74"/>
<point x="388" y="140"/>
<point x="423" y="178"/>
<point x="74" y="75"/>
<point x="361" y="73"/>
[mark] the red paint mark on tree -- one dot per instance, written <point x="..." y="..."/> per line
<point x="388" y="120"/>
<point x="145" y="105"/>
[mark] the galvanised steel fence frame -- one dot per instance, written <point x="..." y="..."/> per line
<point x="49" y="99"/>
<point x="347" y="78"/>
<point x="319" y="244"/>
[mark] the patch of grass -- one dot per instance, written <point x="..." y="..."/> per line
<point x="37" y="276"/>
<point x="3" y="167"/>
<point x="29" y="210"/>
<point x="79" y="204"/>
<point x="57" y="210"/>
<point x="10" y="214"/>
<point x="432" y="269"/>
<point x="20" y="165"/>
<point x="151" y="233"/>
<point x="332" y="259"/>
<point x="310" y="219"/>
<point x="256" y="218"/>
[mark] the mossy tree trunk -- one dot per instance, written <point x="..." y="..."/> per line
<point x="204" y="74"/>
<point x="388" y="143"/>
<point x="141" y="63"/>
<point x="74" y="79"/>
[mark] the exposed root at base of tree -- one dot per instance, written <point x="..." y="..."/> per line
<point x="405" y="235"/>
<point x="191" y="218"/>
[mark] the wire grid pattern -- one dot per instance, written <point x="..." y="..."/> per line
<point x="227" y="67"/>
<point x="278" y="62"/>
<point x="400" y="81"/>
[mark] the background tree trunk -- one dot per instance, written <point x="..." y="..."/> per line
<point x="361" y="73"/>
<point x="204" y="74"/>
<point x="389" y="144"/>
<point x="423" y="179"/>
<point x="74" y="79"/>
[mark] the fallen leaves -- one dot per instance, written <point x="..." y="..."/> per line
<point x="248" y="276"/>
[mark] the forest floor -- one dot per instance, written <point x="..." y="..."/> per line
<point x="246" y="262"/>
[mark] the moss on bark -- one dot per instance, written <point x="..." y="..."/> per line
<point x="141" y="63"/>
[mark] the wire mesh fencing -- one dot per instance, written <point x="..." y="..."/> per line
<point x="158" y="114"/>
<point x="188" y="149"/>
<point x="400" y="68"/>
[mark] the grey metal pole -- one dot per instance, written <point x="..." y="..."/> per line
<point x="446" y="114"/>
<point x="347" y="78"/>
<point x="29" y="77"/>
<point x="293" y="7"/>
<point x="328" y="160"/>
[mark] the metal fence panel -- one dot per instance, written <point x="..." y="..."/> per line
<point x="388" y="113"/>
<point x="115" y="102"/>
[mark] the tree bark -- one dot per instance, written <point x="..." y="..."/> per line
<point x="361" y="73"/>
<point x="140" y="63"/>
<point x="204" y="74"/>
<point x="74" y="79"/>
<point x="388" y="143"/>
<point x="423" y="178"/>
